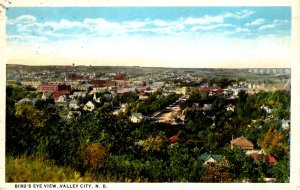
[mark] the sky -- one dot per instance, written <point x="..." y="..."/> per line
<point x="190" y="37"/>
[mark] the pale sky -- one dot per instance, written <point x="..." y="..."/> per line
<point x="150" y="36"/>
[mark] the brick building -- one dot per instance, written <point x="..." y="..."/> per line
<point x="54" y="87"/>
<point x="103" y="83"/>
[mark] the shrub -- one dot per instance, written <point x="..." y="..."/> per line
<point x="94" y="155"/>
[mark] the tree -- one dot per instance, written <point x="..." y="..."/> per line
<point x="154" y="144"/>
<point x="281" y="171"/>
<point x="217" y="172"/>
<point x="240" y="165"/>
<point x="183" y="164"/>
<point x="94" y="155"/>
<point x="158" y="91"/>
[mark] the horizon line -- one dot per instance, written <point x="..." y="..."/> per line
<point x="148" y="66"/>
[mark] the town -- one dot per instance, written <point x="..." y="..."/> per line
<point x="147" y="124"/>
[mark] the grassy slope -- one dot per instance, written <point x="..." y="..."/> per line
<point x="27" y="169"/>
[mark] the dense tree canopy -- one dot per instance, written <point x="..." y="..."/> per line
<point x="112" y="148"/>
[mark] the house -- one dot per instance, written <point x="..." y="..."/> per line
<point x="266" y="158"/>
<point x="98" y="100"/>
<point x="108" y="97"/>
<point x="242" y="143"/>
<point x="237" y="90"/>
<point x="285" y="124"/>
<point x="230" y="107"/>
<point x="74" y="104"/>
<point x="120" y="83"/>
<point x="267" y="109"/>
<point x="185" y="90"/>
<point x="141" y="97"/>
<point x="142" y="89"/>
<point x="72" y="114"/>
<point x="209" y="158"/>
<point x="173" y="139"/>
<point x="61" y="98"/>
<point x="140" y="143"/>
<point x="79" y="94"/>
<point x="269" y="179"/>
<point x="46" y="95"/>
<point x="206" y="107"/>
<point x="126" y="90"/>
<point x="90" y="105"/>
<point x="158" y="84"/>
<point x="249" y="152"/>
<point x="136" y="117"/>
<point x="122" y="109"/>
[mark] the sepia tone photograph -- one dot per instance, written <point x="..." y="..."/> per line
<point x="104" y="95"/>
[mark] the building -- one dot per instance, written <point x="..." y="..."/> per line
<point x="74" y="104"/>
<point x="34" y="84"/>
<point x="73" y="76"/>
<point x="120" y="76"/>
<point x="126" y="90"/>
<point x="90" y="105"/>
<point x="141" y="97"/>
<point x="214" y="90"/>
<point x="285" y="124"/>
<point x="136" y="117"/>
<point x="265" y="158"/>
<point x="157" y="84"/>
<point x="242" y="143"/>
<point x="185" y="90"/>
<point x="209" y="158"/>
<point x="120" y="83"/>
<point x="173" y="139"/>
<point x="85" y="87"/>
<point x="230" y="107"/>
<point x="61" y="98"/>
<point x="73" y="114"/>
<point x="54" y="87"/>
<point x="142" y="89"/>
<point x="46" y="95"/>
<point x="103" y="83"/>
<point x="79" y="94"/>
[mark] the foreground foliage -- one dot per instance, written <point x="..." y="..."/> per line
<point x="98" y="146"/>
<point x="37" y="169"/>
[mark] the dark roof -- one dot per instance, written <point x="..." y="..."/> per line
<point x="207" y="156"/>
